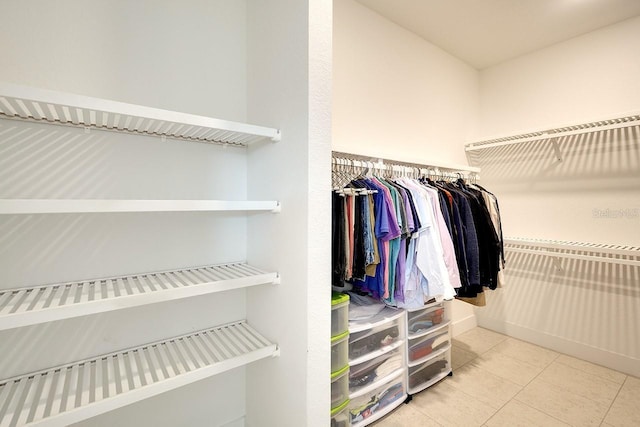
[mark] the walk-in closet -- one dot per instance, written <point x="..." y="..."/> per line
<point x="541" y="100"/>
<point x="276" y="213"/>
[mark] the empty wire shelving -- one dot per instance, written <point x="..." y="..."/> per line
<point x="80" y="390"/>
<point x="19" y="102"/>
<point x="28" y="306"/>
<point x="66" y="394"/>
<point x="552" y="135"/>
<point x="50" y="206"/>
<point x="613" y="254"/>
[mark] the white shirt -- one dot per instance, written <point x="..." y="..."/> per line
<point x="429" y="256"/>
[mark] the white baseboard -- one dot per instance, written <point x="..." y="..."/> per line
<point x="603" y="357"/>
<point x="236" y="423"/>
<point x="459" y="326"/>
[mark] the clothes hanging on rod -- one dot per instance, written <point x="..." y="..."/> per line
<point x="481" y="244"/>
<point x="406" y="238"/>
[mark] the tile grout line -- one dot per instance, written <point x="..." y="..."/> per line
<point x="413" y="407"/>
<point x="492" y="347"/>
<point x="475" y="358"/>
<point x="527" y="384"/>
<point x="521" y="387"/>
<point x="444" y="380"/>
<point x="614" y="399"/>
<point x="600" y="378"/>
<point x="549" y="364"/>
<point x="419" y="409"/>
<point x="555" y="359"/>
<point x="543" y="369"/>
<point x="506" y="337"/>
<point x="468" y="361"/>
<point x="603" y="378"/>
<point x="532" y="380"/>
<point x="500" y="409"/>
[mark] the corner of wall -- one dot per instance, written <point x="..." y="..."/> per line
<point x="463" y="317"/>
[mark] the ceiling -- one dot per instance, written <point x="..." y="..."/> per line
<point x="483" y="33"/>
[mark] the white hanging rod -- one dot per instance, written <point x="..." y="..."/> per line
<point x="554" y="134"/>
<point x="560" y="249"/>
<point x="364" y="161"/>
<point x="21" y="102"/>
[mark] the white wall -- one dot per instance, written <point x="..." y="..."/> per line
<point x="184" y="56"/>
<point x="587" y="77"/>
<point x="290" y="84"/>
<point x="187" y="56"/>
<point x="396" y="95"/>
<point x="590" y="77"/>
<point x="592" y="195"/>
<point x="399" y="97"/>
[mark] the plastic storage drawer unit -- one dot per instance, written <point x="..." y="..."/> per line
<point x="424" y="319"/>
<point x="340" y="416"/>
<point x="377" y="402"/>
<point x="424" y="375"/>
<point x="339" y="387"/>
<point x="422" y="347"/>
<point x="339" y="351"/>
<point x="339" y="313"/>
<point x="370" y="340"/>
<point x="365" y="373"/>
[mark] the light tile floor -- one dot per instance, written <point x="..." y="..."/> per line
<point x="500" y="381"/>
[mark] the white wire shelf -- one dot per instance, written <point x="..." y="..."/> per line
<point x="613" y="254"/>
<point x="67" y="394"/>
<point x="48" y="206"/>
<point x="29" y="306"/>
<point x="29" y="103"/>
<point x="621" y="122"/>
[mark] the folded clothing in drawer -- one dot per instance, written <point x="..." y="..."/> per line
<point x="367" y="405"/>
<point x="426" y="346"/>
<point x="361" y="343"/>
<point x="421" y="374"/>
<point x="366" y="372"/>
<point x="423" y="321"/>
